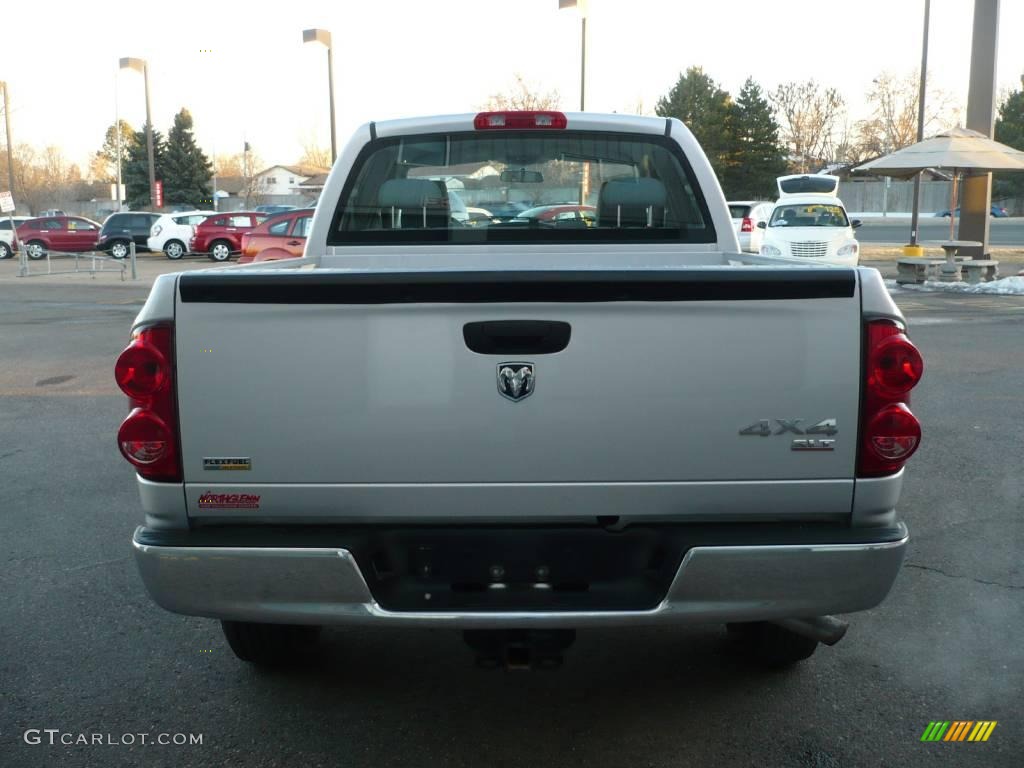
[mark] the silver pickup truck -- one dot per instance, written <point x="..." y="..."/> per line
<point x="584" y="408"/>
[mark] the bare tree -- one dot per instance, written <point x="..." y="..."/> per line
<point x="253" y="189"/>
<point x="229" y="165"/>
<point x="42" y="178"/>
<point x="314" y="154"/>
<point x="894" y="105"/>
<point x="522" y="96"/>
<point x="808" y="116"/>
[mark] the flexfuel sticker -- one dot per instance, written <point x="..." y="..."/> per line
<point x="229" y="501"/>
<point x="227" y="462"/>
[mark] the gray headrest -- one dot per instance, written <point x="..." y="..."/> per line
<point x="413" y="193"/>
<point x="633" y="192"/>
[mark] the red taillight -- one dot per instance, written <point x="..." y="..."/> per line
<point x="890" y="433"/>
<point x="893" y="434"/>
<point x="896" y="366"/>
<point x="148" y="438"/>
<point x="141" y="371"/>
<point x="747" y="225"/>
<point x="143" y="438"/>
<point x="520" y="120"/>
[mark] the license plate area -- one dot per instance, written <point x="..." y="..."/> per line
<point x="510" y="569"/>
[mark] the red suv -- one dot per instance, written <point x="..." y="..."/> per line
<point x="58" y="233"/>
<point x="221" y="234"/>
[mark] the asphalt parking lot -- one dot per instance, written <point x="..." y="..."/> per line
<point x="83" y="650"/>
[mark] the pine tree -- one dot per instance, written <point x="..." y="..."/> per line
<point x="187" y="170"/>
<point x="1010" y="131"/>
<point x="699" y="102"/>
<point x="755" y="157"/>
<point x="135" y="172"/>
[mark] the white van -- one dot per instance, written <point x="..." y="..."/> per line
<point x="809" y="221"/>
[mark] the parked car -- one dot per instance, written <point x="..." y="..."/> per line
<point x="996" y="212"/>
<point x="810" y="224"/>
<point x="220" y="235"/>
<point x="569" y="214"/>
<point x="58" y="233"/>
<point x="172" y="232"/>
<point x="477" y="216"/>
<point x="280" y="237"/>
<point x="504" y="209"/>
<point x="121" y="229"/>
<point x="270" y="210"/>
<point x="627" y="424"/>
<point x="746" y="215"/>
<point x="49" y="212"/>
<point x="7" y="234"/>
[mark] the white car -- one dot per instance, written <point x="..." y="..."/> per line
<point x="7" y="236"/>
<point x="746" y="215"/>
<point x="172" y="231"/>
<point x="809" y="221"/>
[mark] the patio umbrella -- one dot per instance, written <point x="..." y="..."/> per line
<point x="958" y="150"/>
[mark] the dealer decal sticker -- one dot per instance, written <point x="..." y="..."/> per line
<point x="229" y="501"/>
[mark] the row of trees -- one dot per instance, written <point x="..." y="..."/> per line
<point x="799" y="127"/>
<point x="178" y="162"/>
<point x="42" y="177"/>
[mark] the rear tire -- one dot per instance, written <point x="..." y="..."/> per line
<point x="36" y="250"/>
<point x="174" y="249"/>
<point x="770" y="645"/>
<point x="5" y="250"/>
<point x="220" y="250"/>
<point x="118" y="249"/>
<point x="270" y="644"/>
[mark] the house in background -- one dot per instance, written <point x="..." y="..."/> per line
<point x="285" y="179"/>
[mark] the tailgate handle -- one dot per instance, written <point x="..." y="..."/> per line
<point x="517" y="337"/>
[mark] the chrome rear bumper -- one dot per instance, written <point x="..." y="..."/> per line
<point x="306" y="585"/>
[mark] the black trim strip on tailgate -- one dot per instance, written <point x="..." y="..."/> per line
<point x="581" y="286"/>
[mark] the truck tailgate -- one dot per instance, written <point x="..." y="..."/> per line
<point x="352" y="397"/>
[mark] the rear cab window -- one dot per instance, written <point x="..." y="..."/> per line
<point x="640" y="187"/>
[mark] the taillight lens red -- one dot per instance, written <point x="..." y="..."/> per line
<point x="144" y="438"/>
<point x="520" y="120"/>
<point x="148" y="438"/>
<point x="890" y="433"/>
<point x="747" y="225"/>
<point x="893" y="435"/>
<point x="141" y="371"/>
<point x="896" y="365"/>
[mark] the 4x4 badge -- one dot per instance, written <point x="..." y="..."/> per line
<point x="516" y="380"/>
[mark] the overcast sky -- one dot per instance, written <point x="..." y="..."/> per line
<point x="243" y="72"/>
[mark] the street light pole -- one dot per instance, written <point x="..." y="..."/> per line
<point x="117" y="131"/>
<point x="583" y="61"/>
<point x="10" y="147"/>
<point x="139" y="65"/>
<point x="323" y="37"/>
<point x="915" y="211"/>
<point x="580" y="5"/>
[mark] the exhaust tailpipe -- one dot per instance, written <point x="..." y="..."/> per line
<point x="825" y="629"/>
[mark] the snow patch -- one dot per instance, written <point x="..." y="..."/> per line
<point x="1007" y="286"/>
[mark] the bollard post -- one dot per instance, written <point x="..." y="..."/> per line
<point x="131" y="250"/>
<point x="23" y="261"/>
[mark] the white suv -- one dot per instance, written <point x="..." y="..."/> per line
<point x="172" y="231"/>
<point x="7" y="235"/>
<point x="809" y="221"/>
